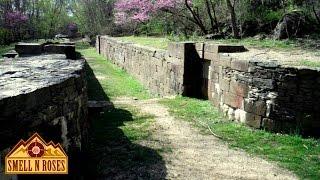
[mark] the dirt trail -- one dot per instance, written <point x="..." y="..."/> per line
<point x="197" y="156"/>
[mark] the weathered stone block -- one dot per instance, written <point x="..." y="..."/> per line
<point x="255" y="107"/>
<point x="48" y="95"/>
<point x="10" y="54"/>
<point x="68" y="50"/>
<point x="211" y="48"/>
<point x="225" y="61"/>
<point x="28" y="48"/>
<point x="240" y="65"/>
<point x="263" y="83"/>
<point x="238" y="88"/>
<point x="268" y="124"/>
<point x="248" y="118"/>
<point x="209" y="56"/>
<point x="253" y="120"/>
<point x="233" y="100"/>
<point x="199" y="46"/>
<point x="225" y="84"/>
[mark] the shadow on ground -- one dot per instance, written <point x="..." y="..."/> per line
<point x="110" y="153"/>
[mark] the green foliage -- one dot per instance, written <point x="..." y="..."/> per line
<point x="4" y="49"/>
<point x="154" y="26"/>
<point x="298" y="154"/>
<point x="271" y="16"/>
<point x="94" y="17"/>
<point x="5" y="36"/>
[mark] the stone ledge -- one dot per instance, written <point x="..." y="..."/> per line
<point x="27" y="74"/>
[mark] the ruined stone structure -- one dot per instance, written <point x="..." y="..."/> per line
<point x="46" y="94"/>
<point x="27" y="49"/>
<point x="259" y="93"/>
<point x="161" y="72"/>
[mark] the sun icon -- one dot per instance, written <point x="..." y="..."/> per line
<point x="36" y="149"/>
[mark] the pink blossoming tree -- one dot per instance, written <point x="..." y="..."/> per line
<point x="15" y="18"/>
<point x="142" y="10"/>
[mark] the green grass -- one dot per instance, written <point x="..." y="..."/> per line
<point x="156" y="42"/>
<point x="162" y="42"/>
<point x="264" y="43"/>
<point x="114" y="81"/>
<point x="4" y="49"/>
<point x="302" y="156"/>
<point x="138" y="128"/>
<point x="115" y="133"/>
<point x="82" y="45"/>
<point x="310" y="63"/>
<point x="113" y="147"/>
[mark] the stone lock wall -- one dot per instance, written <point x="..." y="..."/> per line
<point x="160" y="71"/>
<point x="264" y="94"/>
<point x="46" y="94"/>
<point x="258" y="93"/>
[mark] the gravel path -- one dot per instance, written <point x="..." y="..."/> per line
<point x="194" y="155"/>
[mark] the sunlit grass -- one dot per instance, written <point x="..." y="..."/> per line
<point x="309" y="63"/>
<point x="156" y="42"/>
<point x="162" y="42"/>
<point x="115" y="81"/>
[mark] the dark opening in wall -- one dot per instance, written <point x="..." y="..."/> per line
<point x="99" y="44"/>
<point x="205" y="78"/>
<point x="193" y="73"/>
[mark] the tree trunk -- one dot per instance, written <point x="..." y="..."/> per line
<point x="210" y="16"/>
<point x="213" y="6"/>
<point x="235" y="29"/>
<point x="196" y="18"/>
<point x="316" y="15"/>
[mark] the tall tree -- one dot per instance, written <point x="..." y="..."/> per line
<point x="234" y="25"/>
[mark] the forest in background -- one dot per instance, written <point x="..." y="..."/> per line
<point x="212" y="19"/>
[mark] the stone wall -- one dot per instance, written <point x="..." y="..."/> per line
<point x="259" y="93"/>
<point x="264" y="94"/>
<point x="160" y="71"/>
<point x="46" y="94"/>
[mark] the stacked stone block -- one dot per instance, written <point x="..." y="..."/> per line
<point x="46" y="94"/>
<point x="264" y="94"/>
<point x="261" y="94"/>
<point x="160" y="71"/>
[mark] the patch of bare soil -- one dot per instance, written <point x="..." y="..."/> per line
<point x="287" y="58"/>
<point x="189" y="154"/>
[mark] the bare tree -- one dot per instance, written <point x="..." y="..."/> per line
<point x="234" y="25"/>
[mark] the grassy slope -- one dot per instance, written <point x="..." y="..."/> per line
<point x="114" y="81"/>
<point x="300" y="155"/>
